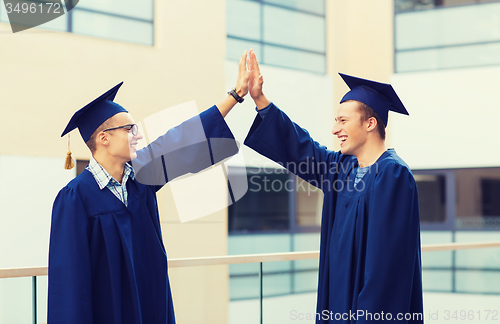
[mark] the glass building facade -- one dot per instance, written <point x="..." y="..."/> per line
<point x="441" y="34"/>
<point x="283" y="33"/>
<point x="126" y="21"/>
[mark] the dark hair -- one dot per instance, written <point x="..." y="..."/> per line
<point x="367" y="112"/>
<point x="91" y="143"/>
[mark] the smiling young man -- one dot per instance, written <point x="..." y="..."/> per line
<point x="370" y="269"/>
<point x="107" y="262"/>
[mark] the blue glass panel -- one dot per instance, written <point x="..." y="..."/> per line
<point x="139" y="9"/>
<point x="243" y="269"/>
<point x="288" y="309"/>
<point x="417" y="60"/>
<point x="99" y="25"/>
<point x="306" y="242"/>
<point x="42" y="291"/>
<point x="255" y="244"/>
<point x="294" y="59"/>
<point x="437" y="280"/>
<point x="478" y="281"/>
<point x="3" y="13"/>
<point x="252" y="244"/>
<point x="277" y="266"/>
<point x="315" y="6"/>
<point x="15" y="300"/>
<point x="244" y="311"/>
<point x="436" y="259"/>
<point x="305" y="281"/>
<point x="478" y="258"/>
<point x="295" y="29"/>
<point x="477" y="236"/>
<point x="446" y="58"/>
<point x="58" y="24"/>
<point x="244" y="287"/>
<point x="243" y="19"/>
<point x="276" y="284"/>
<point x="473" y="55"/>
<point x="235" y="47"/>
<point x="451" y="26"/>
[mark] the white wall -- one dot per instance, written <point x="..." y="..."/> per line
<point x="28" y="187"/>
<point x="454" y="118"/>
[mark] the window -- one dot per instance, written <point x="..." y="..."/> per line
<point x="478" y="203"/>
<point x="490" y="191"/>
<point x="284" y="33"/>
<point x="415" y="5"/>
<point x="81" y="165"/>
<point x="431" y="197"/>
<point x="277" y="201"/>
<point x="264" y="207"/>
<point x="455" y="36"/>
<point x="124" y="20"/>
<point x="279" y="213"/>
<point x="459" y="199"/>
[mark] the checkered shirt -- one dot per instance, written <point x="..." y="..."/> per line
<point x="105" y="180"/>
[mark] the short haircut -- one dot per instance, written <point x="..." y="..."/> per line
<point x="91" y="143"/>
<point x="367" y="112"/>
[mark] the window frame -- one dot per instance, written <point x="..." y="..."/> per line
<point x="262" y="44"/>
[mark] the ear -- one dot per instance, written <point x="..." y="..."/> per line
<point x="102" y="139"/>
<point x="372" y="124"/>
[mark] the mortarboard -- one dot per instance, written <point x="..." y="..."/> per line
<point x="90" y="117"/>
<point x="381" y="97"/>
<point x="95" y="113"/>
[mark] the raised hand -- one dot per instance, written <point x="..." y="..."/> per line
<point x="243" y="75"/>
<point x="255" y="83"/>
<point x="241" y="88"/>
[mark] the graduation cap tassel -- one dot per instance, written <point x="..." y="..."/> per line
<point x="70" y="163"/>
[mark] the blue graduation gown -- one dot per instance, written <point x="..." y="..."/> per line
<point x="107" y="262"/>
<point x="370" y="234"/>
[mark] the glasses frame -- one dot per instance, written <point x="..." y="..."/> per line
<point x="131" y="128"/>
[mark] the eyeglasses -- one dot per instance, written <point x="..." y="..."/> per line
<point x="129" y="128"/>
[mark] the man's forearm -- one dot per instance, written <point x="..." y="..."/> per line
<point x="227" y="104"/>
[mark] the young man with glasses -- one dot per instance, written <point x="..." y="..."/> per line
<point x="107" y="262"/>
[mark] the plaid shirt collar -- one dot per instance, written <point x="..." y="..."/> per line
<point x="104" y="179"/>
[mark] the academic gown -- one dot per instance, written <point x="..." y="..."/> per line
<point x="107" y="261"/>
<point x="370" y="234"/>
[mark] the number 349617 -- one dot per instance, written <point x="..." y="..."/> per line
<point x="46" y="7"/>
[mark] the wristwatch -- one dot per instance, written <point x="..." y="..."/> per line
<point x="236" y="97"/>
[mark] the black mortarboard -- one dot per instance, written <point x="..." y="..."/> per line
<point x="381" y="97"/>
<point x="90" y="117"/>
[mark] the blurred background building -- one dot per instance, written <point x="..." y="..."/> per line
<point x="442" y="57"/>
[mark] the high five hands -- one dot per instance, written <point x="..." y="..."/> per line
<point x="255" y="82"/>
<point x="250" y="80"/>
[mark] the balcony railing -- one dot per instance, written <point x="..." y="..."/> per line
<point x="234" y="259"/>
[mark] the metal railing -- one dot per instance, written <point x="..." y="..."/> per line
<point x="34" y="272"/>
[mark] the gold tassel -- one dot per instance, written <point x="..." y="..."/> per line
<point x="70" y="163"/>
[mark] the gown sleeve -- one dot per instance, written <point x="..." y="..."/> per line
<point x="392" y="259"/>
<point x="190" y="147"/>
<point x="281" y="140"/>
<point x="69" y="295"/>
